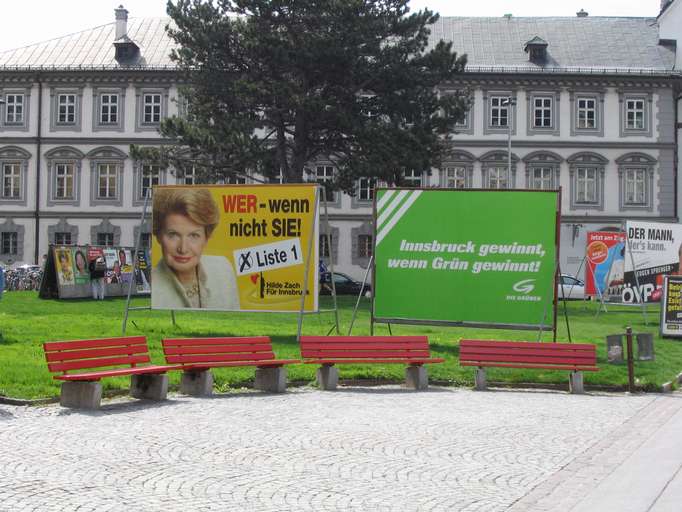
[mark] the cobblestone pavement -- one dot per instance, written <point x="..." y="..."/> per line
<point x="364" y="449"/>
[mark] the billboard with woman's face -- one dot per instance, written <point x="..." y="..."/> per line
<point x="235" y="248"/>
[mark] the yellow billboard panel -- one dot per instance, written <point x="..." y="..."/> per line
<point x="234" y="247"/>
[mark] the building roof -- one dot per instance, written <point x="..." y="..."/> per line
<point x="575" y="44"/>
<point x="94" y="48"/>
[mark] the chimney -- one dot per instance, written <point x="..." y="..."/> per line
<point x="121" y="22"/>
<point x="581" y="13"/>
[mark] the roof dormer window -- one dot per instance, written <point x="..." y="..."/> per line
<point x="536" y="49"/>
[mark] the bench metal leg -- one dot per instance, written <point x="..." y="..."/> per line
<point x="197" y="383"/>
<point x="273" y="380"/>
<point x="152" y="386"/>
<point x="416" y="377"/>
<point x="328" y="377"/>
<point x="480" y="380"/>
<point x="575" y="383"/>
<point x="81" y="394"/>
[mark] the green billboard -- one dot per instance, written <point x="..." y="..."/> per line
<point x="466" y="257"/>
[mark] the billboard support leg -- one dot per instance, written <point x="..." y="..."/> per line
<point x="307" y="267"/>
<point x="362" y="288"/>
<point x="135" y="260"/>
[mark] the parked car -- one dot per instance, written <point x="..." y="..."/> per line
<point x="571" y="288"/>
<point x="344" y="284"/>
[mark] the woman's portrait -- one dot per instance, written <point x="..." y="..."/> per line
<point x="80" y="262"/>
<point x="183" y="221"/>
<point x="64" y="267"/>
<point x="122" y="258"/>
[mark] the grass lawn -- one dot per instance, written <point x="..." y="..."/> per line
<point x="26" y="321"/>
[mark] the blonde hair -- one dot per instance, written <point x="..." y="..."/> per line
<point x="197" y="204"/>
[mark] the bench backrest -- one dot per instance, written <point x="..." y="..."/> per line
<point x="495" y="351"/>
<point x="365" y="347"/>
<point x="186" y="351"/>
<point x="63" y="356"/>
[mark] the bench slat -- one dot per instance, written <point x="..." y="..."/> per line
<point x="524" y="358"/>
<point x="94" y="354"/>
<point x="50" y="346"/>
<point x="364" y="339"/>
<point x="208" y="358"/>
<point x="527" y="351"/>
<point x="217" y="349"/>
<point x="365" y="346"/>
<point x="359" y="354"/>
<point x="416" y="361"/>
<point x="97" y="363"/>
<point x="524" y="344"/>
<point x="116" y="372"/>
<point x="532" y="366"/>
<point x="241" y="340"/>
<point x="218" y="364"/>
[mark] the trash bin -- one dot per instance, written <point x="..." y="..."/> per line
<point x="645" y="346"/>
<point x="614" y="348"/>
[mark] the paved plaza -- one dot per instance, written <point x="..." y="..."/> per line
<point x="356" y="449"/>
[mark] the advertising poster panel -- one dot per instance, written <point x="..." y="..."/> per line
<point x="67" y="274"/>
<point x="605" y="257"/>
<point x="671" y="307"/>
<point x="475" y="257"/>
<point x="234" y="247"/>
<point x="656" y="252"/>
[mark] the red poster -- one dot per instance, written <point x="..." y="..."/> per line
<point x="605" y="257"/>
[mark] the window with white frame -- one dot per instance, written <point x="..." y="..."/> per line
<point x="586" y="181"/>
<point x="498" y="177"/>
<point x="62" y="238"/>
<point x="11" y="180"/>
<point x="412" y="178"/>
<point x="151" y="108"/>
<point x="108" y="108"/>
<point x="324" y="175"/>
<point x="150" y="176"/>
<point x="365" y="189"/>
<point x="586" y="172"/>
<point x="499" y="112"/>
<point x="107" y="181"/>
<point x="634" y="114"/>
<point x="9" y="243"/>
<point x="66" y="109"/>
<point x="586" y="113"/>
<point x="365" y="246"/>
<point x="236" y="180"/>
<point x="189" y="176"/>
<point x="64" y="175"/>
<point x="542" y="112"/>
<point x="14" y="108"/>
<point x="636" y="181"/>
<point x="635" y="187"/>
<point x="455" y="177"/>
<point x="105" y="239"/>
<point x="542" y="178"/>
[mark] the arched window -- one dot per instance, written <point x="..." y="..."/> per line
<point x="587" y="180"/>
<point x="636" y="181"/>
<point x="542" y="170"/>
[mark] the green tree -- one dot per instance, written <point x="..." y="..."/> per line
<point x="275" y="84"/>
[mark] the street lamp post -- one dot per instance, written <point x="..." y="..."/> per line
<point x="509" y="103"/>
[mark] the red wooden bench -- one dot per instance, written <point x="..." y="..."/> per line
<point x="107" y="357"/>
<point x="197" y="356"/>
<point x="328" y="351"/>
<point x="575" y="357"/>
